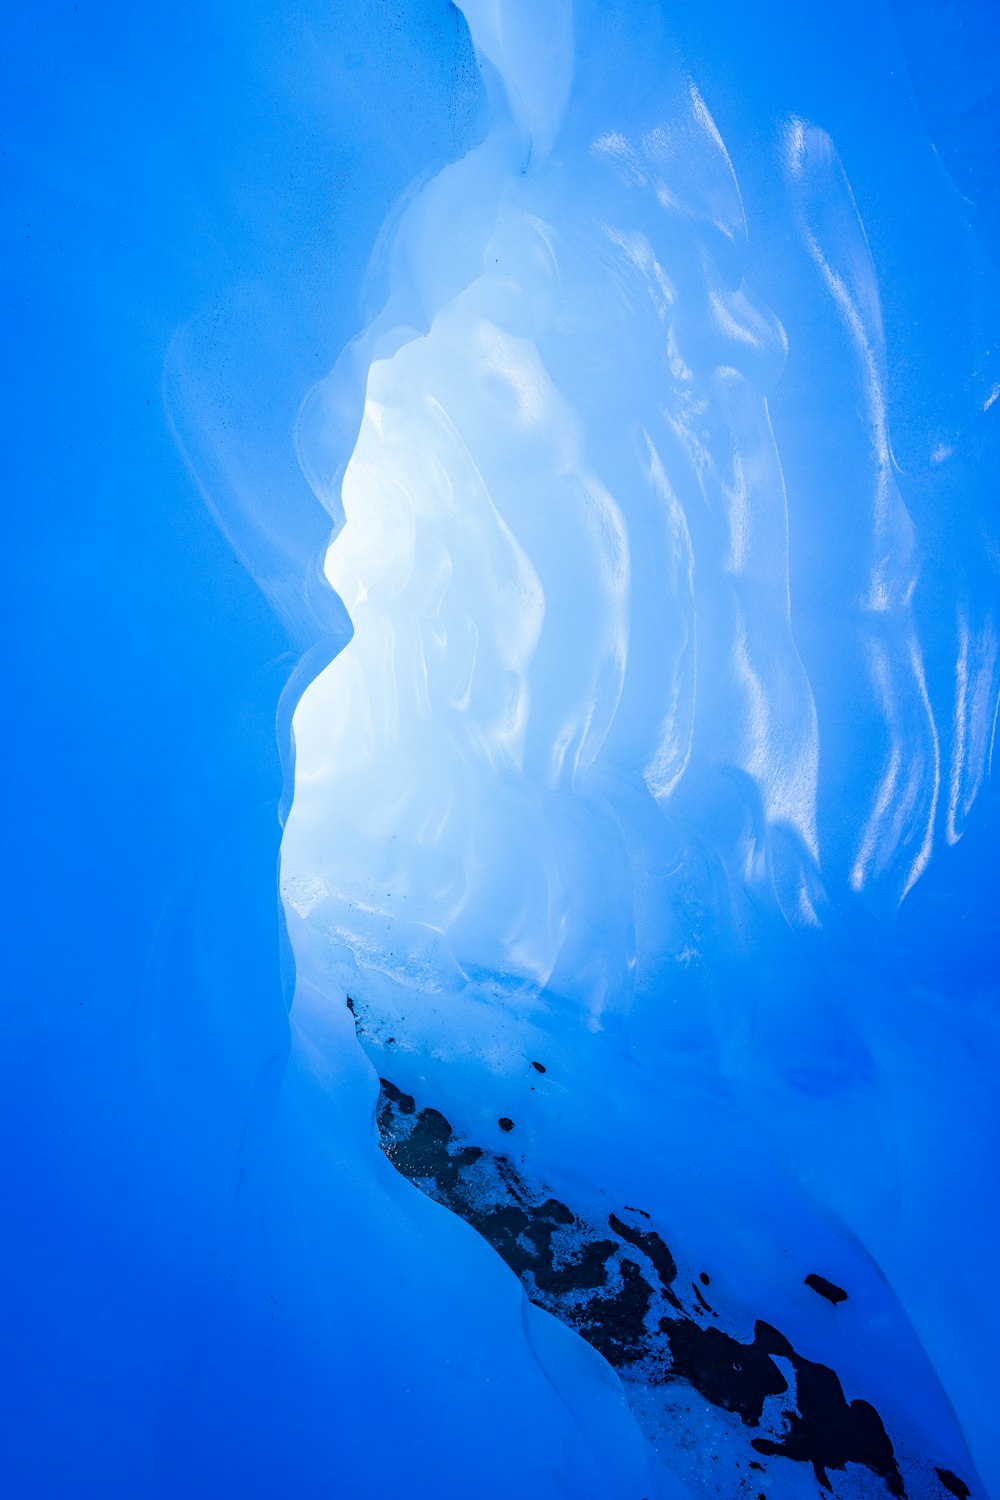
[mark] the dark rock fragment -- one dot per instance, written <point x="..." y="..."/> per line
<point x="616" y="1324"/>
<point x="828" y="1431"/>
<point x="738" y="1377"/>
<point x="827" y="1289"/>
<point x="952" y="1483"/>
<point x="650" y="1243"/>
<point x="405" y="1103"/>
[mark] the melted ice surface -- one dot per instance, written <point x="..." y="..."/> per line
<point x="601" y="774"/>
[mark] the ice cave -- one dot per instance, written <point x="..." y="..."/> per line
<point x="503" y="986"/>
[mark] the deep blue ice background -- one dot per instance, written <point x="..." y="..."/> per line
<point x="225" y="171"/>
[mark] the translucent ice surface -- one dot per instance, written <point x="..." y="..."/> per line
<point x="504" y="559"/>
<point x="657" y="707"/>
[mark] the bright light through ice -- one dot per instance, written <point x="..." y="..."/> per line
<point x="574" y="424"/>
<point x="636" y="740"/>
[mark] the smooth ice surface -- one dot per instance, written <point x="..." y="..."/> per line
<point x="658" y="454"/>
<point x="658" y="704"/>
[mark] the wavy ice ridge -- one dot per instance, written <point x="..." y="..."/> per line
<point x="576" y="780"/>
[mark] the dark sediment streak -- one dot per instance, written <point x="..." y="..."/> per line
<point x="616" y="1285"/>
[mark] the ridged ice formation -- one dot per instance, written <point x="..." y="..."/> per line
<point x="635" y="742"/>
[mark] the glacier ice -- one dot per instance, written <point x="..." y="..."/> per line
<point x="643" y="720"/>
<point x="602" y="775"/>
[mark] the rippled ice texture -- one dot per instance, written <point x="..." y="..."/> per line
<point x="658" y="703"/>
<point x="659" y="491"/>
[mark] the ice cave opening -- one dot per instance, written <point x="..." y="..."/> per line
<point x="641" y="739"/>
<point x="503" y="980"/>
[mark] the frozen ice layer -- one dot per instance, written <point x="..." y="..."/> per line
<point x="642" y="735"/>
<point x="631" y="577"/>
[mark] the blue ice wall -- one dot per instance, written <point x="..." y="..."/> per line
<point x="672" y="672"/>
<point x="193" y="199"/>
<point x="215" y="1282"/>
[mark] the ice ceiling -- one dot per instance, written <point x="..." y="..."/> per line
<point x="635" y="737"/>
<point x="602" y="397"/>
